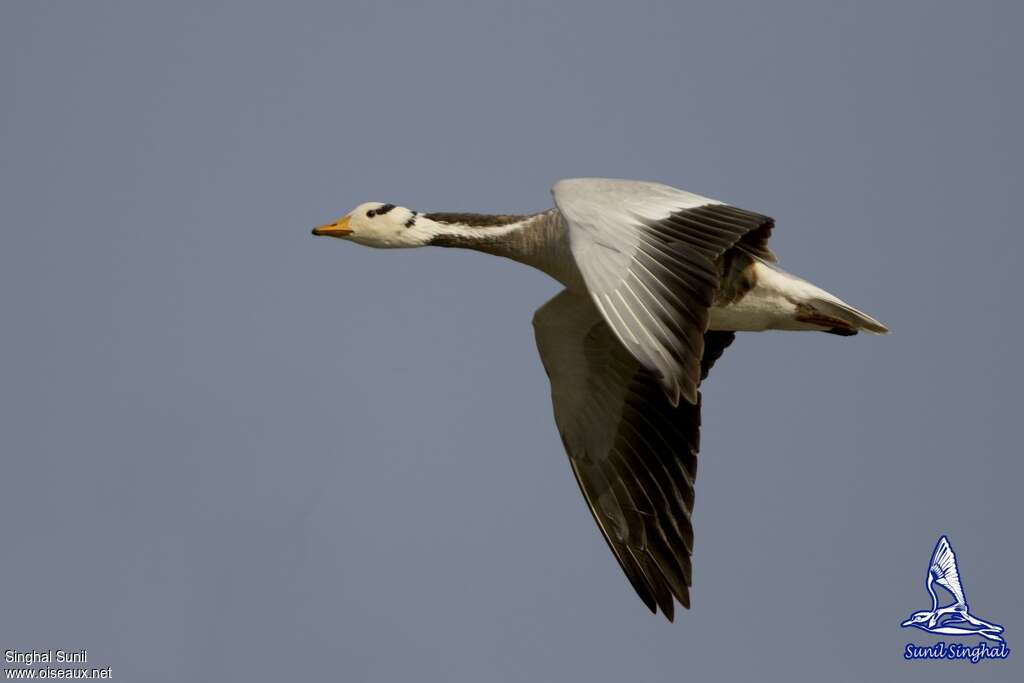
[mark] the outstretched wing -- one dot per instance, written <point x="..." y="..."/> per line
<point x="633" y="454"/>
<point x="647" y="253"/>
<point x="944" y="570"/>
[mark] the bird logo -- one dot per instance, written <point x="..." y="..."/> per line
<point x="954" y="619"/>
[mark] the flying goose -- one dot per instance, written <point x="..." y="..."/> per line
<point x="657" y="281"/>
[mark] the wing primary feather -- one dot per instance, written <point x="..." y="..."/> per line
<point x="622" y="322"/>
<point x="633" y="454"/>
<point x="665" y="340"/>
<point x="675" y="258"/>
<point x="670" y="318"/>
<point x="648" y="565"/>
<point x="677" y="238"/>
<point x="666" y="558"/>
<point x="628" y="564"/>
<point x="670" y="293"/>
<point x="676" y="504"/>
<point x="680" y="456"/>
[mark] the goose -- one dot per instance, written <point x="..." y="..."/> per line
<point x="657" y="281"/>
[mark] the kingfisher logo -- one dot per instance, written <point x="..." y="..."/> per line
<point x="953" y="619"/>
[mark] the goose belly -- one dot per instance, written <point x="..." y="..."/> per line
<point x="769" y="305"/>
<point x="754" y="313"/>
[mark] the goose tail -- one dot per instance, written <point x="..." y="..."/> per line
<point x="818" y="307"/>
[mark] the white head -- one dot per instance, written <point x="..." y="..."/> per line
<point x="384" y="226"/>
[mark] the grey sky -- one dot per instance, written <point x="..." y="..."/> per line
<point x="231" y="451"/>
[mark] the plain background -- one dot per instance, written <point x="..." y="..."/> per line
<point x="235" y="452"/>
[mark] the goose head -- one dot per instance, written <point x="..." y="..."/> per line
<point x="375" y="224"/>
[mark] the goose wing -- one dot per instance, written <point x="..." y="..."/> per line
<point x="945" y="571"/>
<point x="647" y="253"/>
<point x="634" y="455"/>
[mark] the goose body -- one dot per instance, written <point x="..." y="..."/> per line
<point x="657" y="282"/>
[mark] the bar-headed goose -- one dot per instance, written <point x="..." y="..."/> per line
<point x="657" y="281"/>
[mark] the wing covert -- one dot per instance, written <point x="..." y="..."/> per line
<point x="647" y="253"/>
